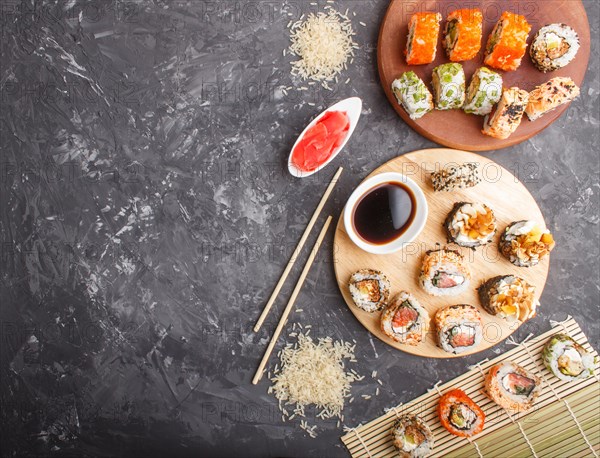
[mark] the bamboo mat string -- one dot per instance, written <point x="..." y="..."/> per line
<point x="395" y="409"/>
<point x="556" y="324"/>
<point x="522" y="432"/>
<point x="361" y="442"/>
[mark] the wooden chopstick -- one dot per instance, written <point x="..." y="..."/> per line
<point x="290" y="304"/>
<point x="296" y="252"/>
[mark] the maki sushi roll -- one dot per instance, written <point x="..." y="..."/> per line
<point x="404" y="319"/>
<point x="508" y="297"/>
<point x="412" y="437"/>
<point x="444" y="273"/>
<point x="525" y="243"/>
<point x="507" y="43"/>
<point x="566" y="359"/>
<point x="512" y="387"/>
<point x="462" y="36"/>
<point x="506" y="117"/>
<point x="459" y="414"/>
<point x="448" y="82"/>
<point x="459" y="328"/>
<point x="553" y="47"/>
<point x="484" y="92"/>
<point x="455" y="176"/>
<point x="550" y="95"/>
<point x="412" y="93"/>
<point x="370" y="289"/>
<point x="423" y="30"/>
<point x="470" y="224"/>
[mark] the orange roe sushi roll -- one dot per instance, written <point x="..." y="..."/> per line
<point x="507" y="43"/>
<point x="423" y="31"/>
<point x="462" y="36"/>
<point x="459" y="414"/>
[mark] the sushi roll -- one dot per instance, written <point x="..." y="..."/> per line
<point x="470" y="224"/>
<point x="553" y="47"/>
<point x="550" y="95"/>
<point x="444" y="273"/>
<point x="504" y="119"/>
<point x="421" y="45"/>
<point x="404" y="319"/>
<point x="484" y="92"/>
<point x="412" y="93"/>
<point x="459" y="328"/>
<point x="459" y="414"/>
<point x="508" y="297"/>
<point x="507" y="43"/>
<point x="525" y="243"/>
<point x="512" y="386"/>
<point x="412" y="437"/>
<point x="462" y="36"/>
<point x="370" y="289"/>
<point x="455" y="176"/>
<point x="448" y="82"/>
<point x="566" y="359"/>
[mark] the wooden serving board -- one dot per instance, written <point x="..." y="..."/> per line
<point x="454" y="128"/>
<point x="507" y="197"/>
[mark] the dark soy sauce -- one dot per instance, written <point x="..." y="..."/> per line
<point x="384" y="213"/>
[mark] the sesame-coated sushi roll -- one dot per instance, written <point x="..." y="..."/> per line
<point x="504" y="119"/>
<point x="412" y="93"/>
<point x="459" y="328"/>
<point x="553" y="47"/>
<point x="483" y="93"/>
<point x="508" y="297"/>
<point x="512" y="386"/>
<point x="459" y="414"/>
<point x="404" y="319"/>
<point x="507" y="43"/>
<point x="470" y="224"/>
<point x="448" y="82"/>
<point x="566" y="359"/>
<point x="550" y="95"/>
<point x="370" y="289"/>
<point x="462" y="36"/>
<point x="412" y="437"/>
<point x="423" y="30"/>
<point x="525" y="243"/>
<point x="444" y="273"/>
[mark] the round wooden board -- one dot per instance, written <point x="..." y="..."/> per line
<point x="454" y="128"/>
<point x="500" y="189"/>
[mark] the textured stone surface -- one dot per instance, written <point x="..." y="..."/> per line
<point x="147" y="213"/>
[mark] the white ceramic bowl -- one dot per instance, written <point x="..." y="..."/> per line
<point x="410" y="234"/>
<point x="352" y="107"/>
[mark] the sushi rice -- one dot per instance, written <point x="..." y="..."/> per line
<point x="448" y="86"/>
<point x="412" y="437"/>
<point x="444" y="273"/>
<point x="412" y="93"/>
<point x="404" y="319"/>
<point x="484" y="92"/>
<point x="370" y="289"/>
<point x="553" y="47"/>
<point x="512" y="387"/>
<point x="566" y="359"/>
<point x="459" y="328"/>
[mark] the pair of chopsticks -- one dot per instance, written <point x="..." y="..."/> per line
<point x="303" y="275"/>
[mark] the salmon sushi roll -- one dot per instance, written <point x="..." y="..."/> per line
<point x="507" y="43"/>
<point x="459" y="414"/>
<point x="566" y="359"/>
<point x="550" y="95"/>
<point x="525" y="243"/>
<point x="470" y="224"/>
<point x="404" y="319"/>
<point x="462" y="35"/>
<point x="553" y="47"/>
<point x="412" y="437"/>
<point x="459" y="328"/>
<point x="444" y="273"/>
<point x="505" y="117"/>
<point x="423" y="31"/>
<point x="512" y="387"/>
<point x="370" y="289"/>
<point x="509" y="297"/>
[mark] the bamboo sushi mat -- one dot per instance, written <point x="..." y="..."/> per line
<point x="565" y="420"/>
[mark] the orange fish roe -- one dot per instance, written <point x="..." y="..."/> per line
<point x="463" y="34"/>
<point x="508" y="41"/>
<point x="423" y="30"/>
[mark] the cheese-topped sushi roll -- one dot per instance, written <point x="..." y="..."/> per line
<point x="566" y="359"/>
<point x="470" y="224"/>
<point x="507" y="43"/>
<point x="512" y="386"/>
<point x="508" y="297"/>
<point x="404" y="320"/>
<point x="459" y="414"/>
<point x="444" y="273"/>
<point x="462" y="36"/>
<point x="459" y="328"/>
<point x="550" y="95"/>
<point x="504" y="119"/>
<point x="412" y="93"/>
<point x="412" y="437"/>
<point x="553" y="47"/>
<point x="423" y="30"/>
<point x="483" y="93"/>
<point x="370" y="289"/>
<point x="525" y="243"/>
<point x="448" y="82"/>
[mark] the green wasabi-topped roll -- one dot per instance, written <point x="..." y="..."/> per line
<point x="412" y="93"/>
<point x="566" y="359"/>
<point x="484" y="92"/>
<point x="448" y="82"/>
